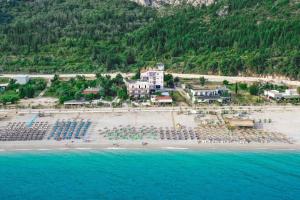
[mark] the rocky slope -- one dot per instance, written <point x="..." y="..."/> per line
<point x="158" y="3"/>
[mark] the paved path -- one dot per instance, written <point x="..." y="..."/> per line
<point x="153" y="109"/>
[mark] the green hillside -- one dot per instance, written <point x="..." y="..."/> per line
<point x="231" y="37"/>
<point x="67" y="35"/>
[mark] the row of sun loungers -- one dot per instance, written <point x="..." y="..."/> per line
<point x="130" y="133"/>
<point x="220" y="134"/>
<point x="203" y="134"/>
<point x="69" y="129"/>
<point x="19" y="131"/>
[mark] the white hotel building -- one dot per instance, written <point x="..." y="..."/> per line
<point x="154" y="76"/>
<point x="151" y="80"/>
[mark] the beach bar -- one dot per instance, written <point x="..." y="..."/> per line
<point x="240" y="123"/>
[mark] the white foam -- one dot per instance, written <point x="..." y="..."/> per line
<point x="24" y="149"/>
<point x="285" y="149"/>
<point x="174" y="148"/>
<point x="114" y="148"/>
<point x="44" y="149"/>
<point x="82" y="148"/>
<point x="64" y="148"/>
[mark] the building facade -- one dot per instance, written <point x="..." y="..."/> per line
<point x="206" y="95"/>
<point x="151" y="80"/>
<point x="287" y="94"/>
<point x="155" y="77"/>
<point x="138" y="88"/>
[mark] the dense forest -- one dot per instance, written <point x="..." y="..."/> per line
<point x="68" y="35"/>
<point x="230" y="37"/>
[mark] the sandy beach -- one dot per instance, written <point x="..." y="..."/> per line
<point x="283" y="121"/>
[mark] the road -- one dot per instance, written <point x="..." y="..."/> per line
<point x="213" y="78"/>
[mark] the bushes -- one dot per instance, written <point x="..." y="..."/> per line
<point x="254" y="89"/>
<point x="169" y="80"/>
<point x="72" y="89"/>
<point x="9" y="97"/>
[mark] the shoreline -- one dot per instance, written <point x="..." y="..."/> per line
<point x="35" y="147"/>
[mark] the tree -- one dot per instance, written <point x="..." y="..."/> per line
<point x="55" y="79"/>
<point x="90" y="97"/>
<point x="98" y="75"/>
<point x="137" y="75"/>
<point x="168" y="79"/>
<point x="225" y="82"/>
<point x="298" y="90"/>
<point x="243" y="86"/>
<point x="202" y="81"/>
<point x="130" y="57"/>
<point x="122" y="93"/>
<point x="26" y="91"/>
<point x="78" y="95"/>
<point x="12" y="85"/>
<point x="236" y="89"/>
<point x="118" y="79"/>
<point x="9" y="97"/>
<point x="254" y="89"/>
<point x="176" y="80"/>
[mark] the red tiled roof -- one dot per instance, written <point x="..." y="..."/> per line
<point x="163" y="98"/>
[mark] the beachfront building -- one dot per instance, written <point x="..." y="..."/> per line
<point x="277" y="95"/>
<point x="155" y="77"/>
<point x="161" y="100"/>
<point x="205" y="94"/>
<point x="151" y="80"/>
<point x="21" y="79"/>
<point x="240" y="123"/>
<point x="94" y="91"/>
<point x="137" y="88"/>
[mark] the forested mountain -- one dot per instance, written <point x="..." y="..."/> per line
<point x="229" y="37"/>
<point x="159" y="3"/>
<point x="67" y="35"/>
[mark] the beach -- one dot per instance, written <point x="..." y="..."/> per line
<point x="101" y="133"/>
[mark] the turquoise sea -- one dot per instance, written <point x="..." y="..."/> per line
<point x="167" y="175"/>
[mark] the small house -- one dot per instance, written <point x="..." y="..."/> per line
<point x="161" y="99"/>
<point x="205" y="94"/>
<point x="94" y="91"/>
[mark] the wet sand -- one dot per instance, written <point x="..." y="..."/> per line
<point x="129" y="145"/>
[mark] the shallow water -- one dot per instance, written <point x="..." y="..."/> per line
<point x="120" y="174"/>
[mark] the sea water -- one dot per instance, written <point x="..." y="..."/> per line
<point x="121" y="174"/>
